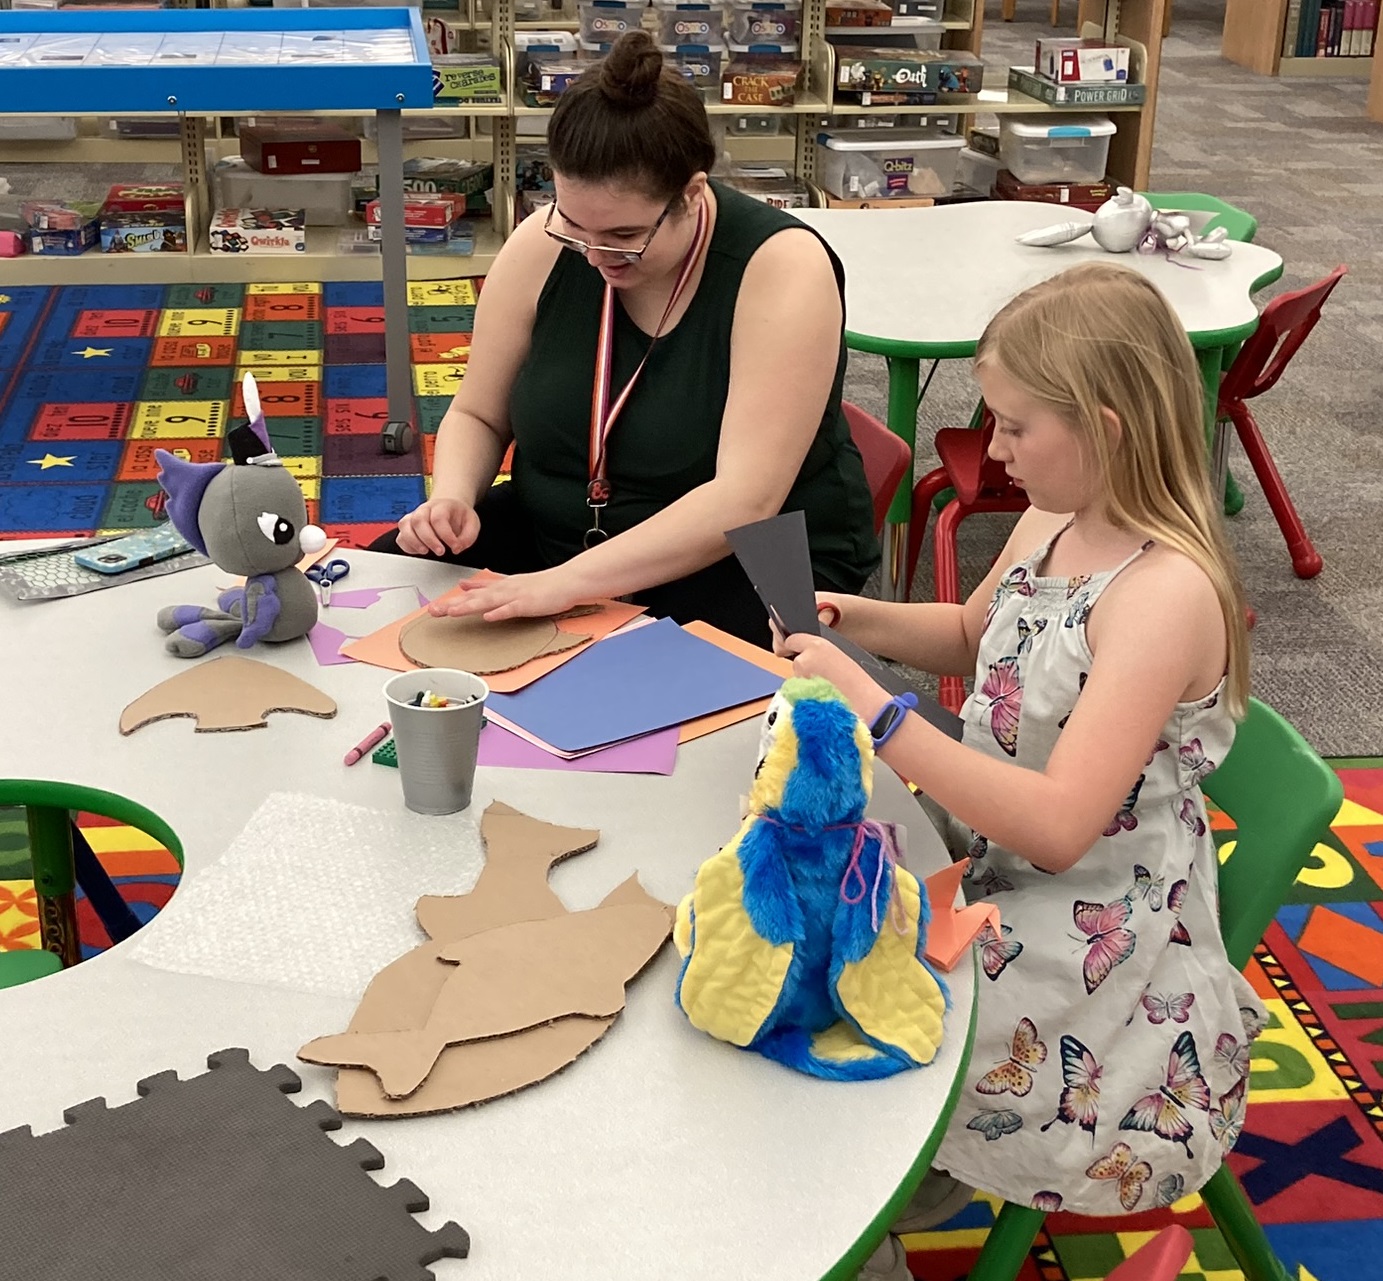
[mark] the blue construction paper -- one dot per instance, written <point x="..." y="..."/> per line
<point x="633" y="683"/>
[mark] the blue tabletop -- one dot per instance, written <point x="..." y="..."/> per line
<point x="222" y="61"/>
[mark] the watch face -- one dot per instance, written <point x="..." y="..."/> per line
<point x="885" y="722"/>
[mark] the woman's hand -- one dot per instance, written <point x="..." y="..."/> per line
<point x="439" y="526"/>
<point x="517" y="596"/>
<point x="816" y="656"/>
<point x="830" y="608"/>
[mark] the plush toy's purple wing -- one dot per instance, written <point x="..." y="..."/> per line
<point x="185" y="484"/>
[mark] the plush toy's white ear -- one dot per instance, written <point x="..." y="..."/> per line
<point x="250" y="388"/>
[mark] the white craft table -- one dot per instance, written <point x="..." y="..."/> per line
<point x="922" y="284"/>
<point x="659" y="1154"/>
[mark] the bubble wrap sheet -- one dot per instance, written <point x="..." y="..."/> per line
<point x="313" y="895"/>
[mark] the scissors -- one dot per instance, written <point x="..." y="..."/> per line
<point x="326" y="575"/>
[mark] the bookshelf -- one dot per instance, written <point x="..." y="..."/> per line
<point x="1262" y="35"/>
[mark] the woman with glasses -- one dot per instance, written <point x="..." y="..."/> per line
<point x="666" y="355"/>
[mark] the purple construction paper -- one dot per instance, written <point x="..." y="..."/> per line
<point x="326" y="642"/>
<point x="652" y="754"/>
<point x="631" y="684"/>
<point x="364" y="597"/>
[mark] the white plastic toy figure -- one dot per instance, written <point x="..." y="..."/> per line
<point x="1125" y="222"/>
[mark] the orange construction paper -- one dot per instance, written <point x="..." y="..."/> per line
<point x="770" y="662"/>
<point x="951" y="931"/>
<point x="381" y="648"/>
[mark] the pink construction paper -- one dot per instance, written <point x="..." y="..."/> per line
<point x="651" y="754"/>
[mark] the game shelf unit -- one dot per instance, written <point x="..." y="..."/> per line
<point x="1267" y="37"/>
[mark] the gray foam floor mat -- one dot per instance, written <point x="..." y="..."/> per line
<point x="217" y="1178"/>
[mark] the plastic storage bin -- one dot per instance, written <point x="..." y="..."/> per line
<point x="324" y="198"/>
<point x="877" y="164"/>
<point x="683" y="22"/>
<point x="699" y="63"/>
<point x="604" y="21"/>
<point x="977" y="172"/>
<point x="761" y="22"/>
<point x="1047" y="149"/>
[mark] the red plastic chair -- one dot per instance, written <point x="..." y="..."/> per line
<point x="1282" y="328"/>
<point x="981" y="485"/>
<point x="1160" y="1259"/>
<point x="887" y="458"/>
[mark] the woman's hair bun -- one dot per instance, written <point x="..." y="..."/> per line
<point x="630" y="73"/>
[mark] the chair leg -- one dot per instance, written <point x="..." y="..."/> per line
<point x="1008" y="1243"/>
<point x="1240" y="1228"/>
<point x="923" y="493"/>
<point x="946" y="573"/>
<point x="1056" y="13"/>
<point x="1306" y="560"/>
<point x="1010" y="7"/>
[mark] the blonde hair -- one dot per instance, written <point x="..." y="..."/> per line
<point x="1102" y="337"/>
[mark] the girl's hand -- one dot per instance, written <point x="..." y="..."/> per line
<point x="517" y="596"/>
<point x="816" y="656"/>
<point x="439" y="526"/>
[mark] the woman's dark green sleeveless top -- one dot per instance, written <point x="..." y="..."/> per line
<point x="664" y="442"/>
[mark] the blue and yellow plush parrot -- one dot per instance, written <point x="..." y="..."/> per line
<point x="803" y="938"/>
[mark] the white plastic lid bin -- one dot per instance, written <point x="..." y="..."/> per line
<point x="696" y="22"/>
<point x="604" y="21"/>
<point x="1046" y="149"/>
<point x="757" y="22"/>
<point x="324" y="198"/>
<point x="877" y="164"/>
<point x="977" y="172"/>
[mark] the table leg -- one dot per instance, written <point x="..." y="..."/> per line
<point x="50" y="851"/>
<point x="1212" y="361"/>
<point x="394" y="255"/>
<point x="903" y="378"/>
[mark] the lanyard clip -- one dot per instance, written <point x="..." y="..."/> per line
<point x="598" y="492"/>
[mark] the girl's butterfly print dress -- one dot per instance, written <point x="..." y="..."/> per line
<point x="1110" y="1059"/>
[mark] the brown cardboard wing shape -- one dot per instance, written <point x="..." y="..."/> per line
<point x="519" y="853"/>
<point x="506" y="980"/>
<point x="402" y="997"/>
<point x="226" y="693"/>
<point x="473" y="645"/>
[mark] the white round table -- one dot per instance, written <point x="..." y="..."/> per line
<point x="922" y="284"/>
<point x="660" y="1153"/>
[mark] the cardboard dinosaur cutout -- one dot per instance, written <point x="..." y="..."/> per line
<point x="473" y="645"/>
<point x="226" y="694"/>
<point x="511" y="988"/>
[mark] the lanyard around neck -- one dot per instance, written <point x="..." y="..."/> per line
<point x="603" y="413"/>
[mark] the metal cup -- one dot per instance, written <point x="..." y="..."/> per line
<point x="437" y="746"/>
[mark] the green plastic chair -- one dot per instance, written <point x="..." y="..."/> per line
<point x="1238" y="224"/>
<point x="1282" y="798"/>
<point x="49" y="808"/>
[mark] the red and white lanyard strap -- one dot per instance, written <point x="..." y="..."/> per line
<point x="603" y="413"/>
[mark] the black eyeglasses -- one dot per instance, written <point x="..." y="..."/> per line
<point x="582" y="248"/>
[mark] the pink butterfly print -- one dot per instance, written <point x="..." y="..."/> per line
<point x="1075" y="583"/>
<point x="1047" y="1202"/>
<point x="1014" y="1074"/>
<point x="1176" y="896"/>
<point x="1080" y="1095"/>
<point x="1194" y="822"/>
<point x="1146" y="887"/>
<point x="1004" y="689"/>
<point x="1162" y="746"/>
<point x="1120" y="1166"/>
<point x="1110" y="942"/>
<point x="1233" y="1055"/>
<point x="1126" y="820"/>
<point x="1192" y="756"/>
<point x="1080" y="688"/>
<point x="1164" y="1112"/>
<point x="1175" y="1006"/>
<point x="1014" y="583"/>
<point x="997" y="950"/>
<point x="1227" y="1116"/>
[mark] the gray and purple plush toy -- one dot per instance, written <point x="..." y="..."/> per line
<point x="250" y="518"/>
